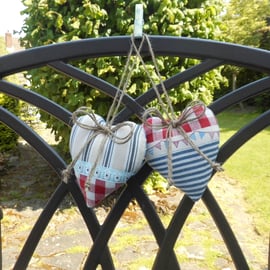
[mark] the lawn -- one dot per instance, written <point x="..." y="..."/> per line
<point x="250" y="166"/>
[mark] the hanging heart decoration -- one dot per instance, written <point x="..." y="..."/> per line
<point x="184" y="150"/>
<point x="105" y="158"/>
<point x="104" y="155"/>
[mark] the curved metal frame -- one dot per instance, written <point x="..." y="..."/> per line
<point x="213" y="54"/>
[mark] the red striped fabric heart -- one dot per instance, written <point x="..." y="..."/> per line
<point x="105" y="163"/>
<point x="190" y="171"/>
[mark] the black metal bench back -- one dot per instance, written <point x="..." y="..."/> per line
<point x="213" y="54"/>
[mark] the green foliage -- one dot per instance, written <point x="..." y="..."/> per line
<point x="247" y="23"/>
<point x="155" y="182"/>
<point x="265" y="36"/>
<point x="50" y="21"/>
<point x="245" y="19"/>
<point x="8" y="138"/>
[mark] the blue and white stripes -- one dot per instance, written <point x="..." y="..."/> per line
<point x="191" y="172"/>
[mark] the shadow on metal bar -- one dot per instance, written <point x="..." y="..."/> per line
<point x="212" y="55"/>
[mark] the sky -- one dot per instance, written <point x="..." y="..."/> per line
<point x="10" y="18"/>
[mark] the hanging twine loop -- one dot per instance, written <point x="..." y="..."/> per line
<point x="172" y="122"/>
<point x="108" y="129"/>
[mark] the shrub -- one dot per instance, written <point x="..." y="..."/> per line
<point x="8" y="138"/>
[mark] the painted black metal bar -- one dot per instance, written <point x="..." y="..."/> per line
<point x="36" y="99"/>
<point x="39" y="227"/>
<point x="249" y="91"/>
<point x="241" y="94"/>
<point x="56" y="162"/>
<point x="98" y="83"/>
<point x="91" y="222"/>
<point x="253" y="58"/>
<point x="52" y="157"/>
<point x="155" y="223"/>
<point x="227" y="150"/>
<point x="112" y="219"/>
<point x="215" y="53"/>
<point x="45" y="217"/>
<point x="45" y="150"/>
<point x="243" y="135"/>
<point x="176" y="224"/>
<point x="225" y="230"/>
<point x="106" y="231"/>
<point x="229" y="238"/>
<point x="133" y="190"/>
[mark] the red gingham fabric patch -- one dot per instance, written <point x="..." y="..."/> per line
<point x="97" y="191"/>
<point x="202" y="122"/>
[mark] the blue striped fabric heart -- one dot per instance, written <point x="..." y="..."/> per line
<point x="114" y="162"/>
<point x="190" y="171"/>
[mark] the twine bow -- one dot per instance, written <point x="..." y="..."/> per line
<point x="172" y="121"/>
<point x="107" y="129"/>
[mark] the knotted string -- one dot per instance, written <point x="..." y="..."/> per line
<point x="107" y="129"/>
<point x="172" y="122"/>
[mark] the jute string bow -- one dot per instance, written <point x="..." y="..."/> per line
<point x="107" y="129"/>
<point x="171" y="122"/>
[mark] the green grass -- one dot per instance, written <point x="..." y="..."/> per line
<point x="250" y="166"/>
